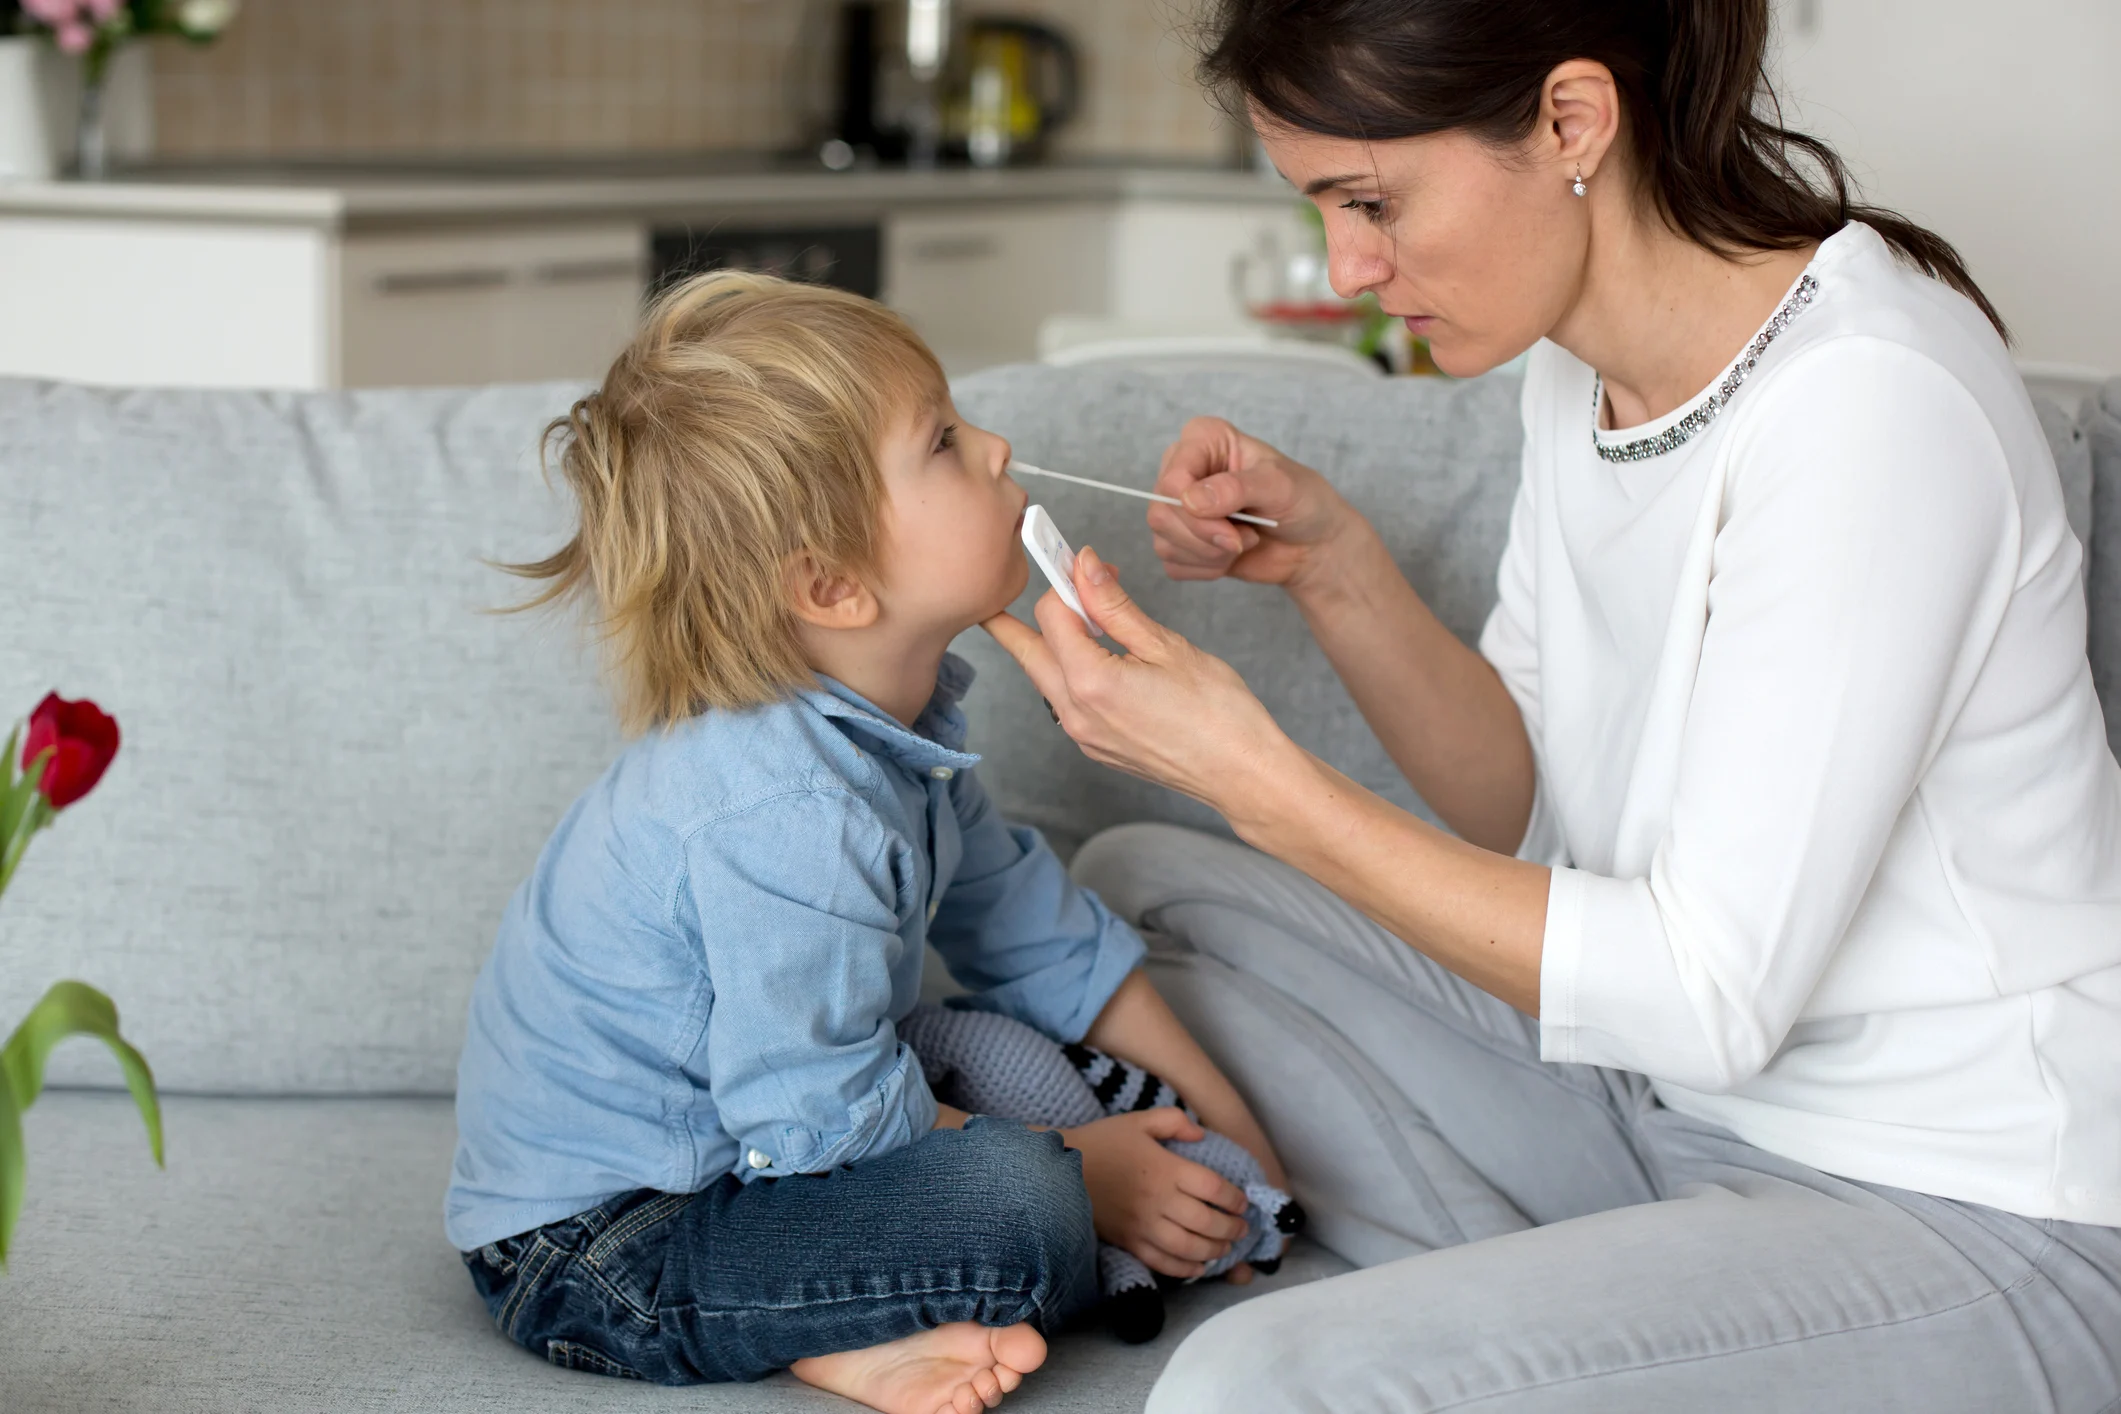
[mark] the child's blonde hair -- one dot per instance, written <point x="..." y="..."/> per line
<point x="739" y="428"/>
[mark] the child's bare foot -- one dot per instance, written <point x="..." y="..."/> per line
<point x="960" y="1368"/>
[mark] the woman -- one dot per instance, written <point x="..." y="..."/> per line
<point x="1756" y="1042"/>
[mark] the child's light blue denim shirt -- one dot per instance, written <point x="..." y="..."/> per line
<point x="703" y="973"/>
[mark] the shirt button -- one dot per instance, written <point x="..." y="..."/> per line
<point x="759" y="1160"/>
<point x="942" y="773"/>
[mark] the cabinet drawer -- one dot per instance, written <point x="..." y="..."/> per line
<point x="485" y="306"/>
<point x="977" y="283"/>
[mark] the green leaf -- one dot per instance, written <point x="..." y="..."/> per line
<point x="11" y="1167"/>
<point x="14" y="790"/>
<point x="77" y="1009"/>
<point x="68" y="1009"/>
<point x="23" y="810"/>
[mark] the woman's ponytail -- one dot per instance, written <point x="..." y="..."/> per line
<point x="1692" y="74"/>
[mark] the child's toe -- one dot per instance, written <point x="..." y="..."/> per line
<point x="1018" y="1348"/>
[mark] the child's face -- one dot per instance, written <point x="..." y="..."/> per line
<point x="950" y="555"/>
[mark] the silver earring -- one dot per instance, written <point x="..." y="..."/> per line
<point x="1578" y="187"/>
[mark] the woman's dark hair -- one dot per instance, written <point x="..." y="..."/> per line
<point x="1693" y="86"/>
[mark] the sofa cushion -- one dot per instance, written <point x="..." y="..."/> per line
<point x="2066" y="438"/>
<point x="336" y="765"/>
<point x="2101" y="433"/>
<point x="292" y="1258"/>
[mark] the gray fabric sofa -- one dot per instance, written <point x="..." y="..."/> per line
<point x="337" y="766"/>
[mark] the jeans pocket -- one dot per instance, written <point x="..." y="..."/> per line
<point x="631" y="1223"/>
<point x="627" y="1257"/>
<point x="570" y="1356"/>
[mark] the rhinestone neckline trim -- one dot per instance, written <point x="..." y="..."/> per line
<point x="1683" y="431"/>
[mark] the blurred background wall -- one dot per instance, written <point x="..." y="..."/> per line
<point x="2000" y="125"/>
<point x="456" y="77"/>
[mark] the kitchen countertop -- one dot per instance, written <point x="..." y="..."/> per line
<point x="350" y="196"/>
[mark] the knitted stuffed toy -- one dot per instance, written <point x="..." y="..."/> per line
<point x="990" y="1064"/>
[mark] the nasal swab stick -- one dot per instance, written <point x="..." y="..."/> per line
<point x="1026" y="469"/>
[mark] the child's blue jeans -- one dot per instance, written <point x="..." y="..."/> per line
<point x="988" y="1224"/>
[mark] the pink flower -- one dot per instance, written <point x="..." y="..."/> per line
<point x="73" y="23"/>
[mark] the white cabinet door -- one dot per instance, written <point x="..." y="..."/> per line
<point x="488" y="305"/>
<point x="186" y="304"/>
<point x="977" y="282"/>
<point x="1174" y="263"/>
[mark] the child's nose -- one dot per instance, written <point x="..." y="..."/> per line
<point x="1007" y="454"/>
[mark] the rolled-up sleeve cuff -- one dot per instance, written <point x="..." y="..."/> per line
<point x="1560" y="958"/>
<point x="1119" y="951"/>
<point x="1612" y="993"/>
<point x="895" y="1112"/>
<point x="1063" y="1000"/>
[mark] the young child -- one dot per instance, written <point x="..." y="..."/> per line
<point x="690" y="1145"/>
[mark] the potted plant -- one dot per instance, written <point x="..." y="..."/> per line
<point x="65" y="751"/>
<point x="94" y="31"/>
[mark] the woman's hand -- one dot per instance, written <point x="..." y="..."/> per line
<point x="1174" y="1214"/>
<point x="1166" y="711"/>
<point x="1216" y="469"/>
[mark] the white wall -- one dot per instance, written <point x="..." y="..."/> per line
<point x="1997" y="123"/>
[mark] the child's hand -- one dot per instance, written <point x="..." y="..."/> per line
<point x="1174" y="1214"/>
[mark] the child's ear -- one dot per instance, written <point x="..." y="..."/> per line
<point x="828" y="598"/>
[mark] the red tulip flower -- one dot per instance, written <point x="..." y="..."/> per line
<point x="66" y="750"/>
<point x="82" y="739"/>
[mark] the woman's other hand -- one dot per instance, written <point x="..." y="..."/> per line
<point x="1165" y="710"/>
<point x="1216" y="469"/>
<point x="1174" y="1214"/>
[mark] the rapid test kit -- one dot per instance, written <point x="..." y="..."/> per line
<point x="1049" y="549"/>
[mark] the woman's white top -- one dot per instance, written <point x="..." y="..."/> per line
<point x="1836" y="827"/>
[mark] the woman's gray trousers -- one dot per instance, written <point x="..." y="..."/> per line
<point x="1549" y="1237"/>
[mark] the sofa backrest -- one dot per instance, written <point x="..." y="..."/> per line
<point x="1434" y="464"/>
<point x="337" y="767"/>
<point x="2100" y="437"/>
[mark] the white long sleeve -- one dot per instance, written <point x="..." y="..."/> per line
<point x="1836" y="827"/>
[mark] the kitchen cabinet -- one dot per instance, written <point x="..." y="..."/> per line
<point x="488" y="306"/>
<point x="978" y="284"/>
<point x="307" y="284"/>
<point x="217" y="304"/>
<point x="155" y="300"/>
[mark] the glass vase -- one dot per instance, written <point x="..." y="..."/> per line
<point x="91" y="131"/>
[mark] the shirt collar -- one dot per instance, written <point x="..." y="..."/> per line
<point x="937" y="736"/>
